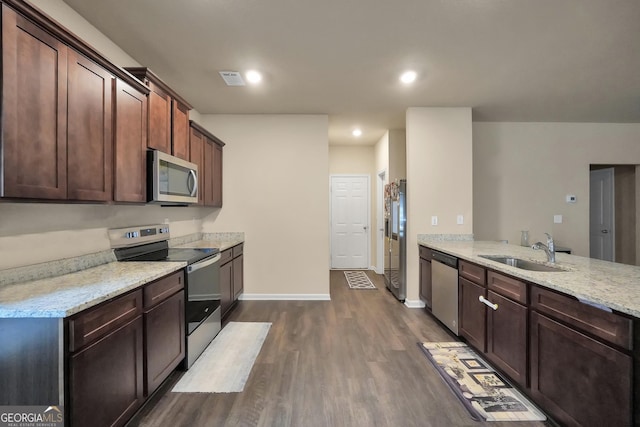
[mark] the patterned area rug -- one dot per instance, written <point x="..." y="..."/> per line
<point x="358" y="280"/>
<point x="485" y="394"/>
<point x="226" y="363"/>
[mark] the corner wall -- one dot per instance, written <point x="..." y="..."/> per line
<point x="276" y="190"/>
<point x="439" y="178"/>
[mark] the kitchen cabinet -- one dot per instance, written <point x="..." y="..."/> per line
<point x="578" y="377"/>
<point x="89" y="130"/>
<point x="106" y="362"/>
<point x="425" y="276"/>
<point x="168" y="115"/>
<point x="130" y="144"/>
<point x="164" y="329"/>
<point x="211" y="171"/>
<point x="231" y="277"/>
<point x="57" y="107"/>
<point x="473" y="314"/>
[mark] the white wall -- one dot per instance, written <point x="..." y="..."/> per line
<point x="275" y="189"/>
<point x="523" y="171"/>
<point x="439" y="178"/>
<point x="358" y="160"/>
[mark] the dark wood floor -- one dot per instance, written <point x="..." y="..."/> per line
<point x="351" y="361"/>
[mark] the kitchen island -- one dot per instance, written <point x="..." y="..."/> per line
<point x="569" y="338"/>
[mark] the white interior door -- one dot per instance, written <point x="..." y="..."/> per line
<point x="601" y="214"/>
<point x="349" y="221"/>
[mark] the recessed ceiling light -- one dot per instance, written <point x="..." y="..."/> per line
<point x="253" y="76"/>
<point x="408" y="77"/>
<point x="356" y="132"/>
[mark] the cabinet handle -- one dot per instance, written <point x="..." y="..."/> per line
<point x="487" y="302"/>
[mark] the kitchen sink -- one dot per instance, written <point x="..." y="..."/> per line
<point x="522" y="263"/>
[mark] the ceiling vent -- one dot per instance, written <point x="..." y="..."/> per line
<point x="232" y="78"/>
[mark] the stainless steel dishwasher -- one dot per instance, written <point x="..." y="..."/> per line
<point x="444" y="280"/>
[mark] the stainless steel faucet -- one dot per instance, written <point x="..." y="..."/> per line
<point x="548" y="249"/>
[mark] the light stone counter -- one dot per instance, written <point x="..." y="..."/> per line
<point x="613" y="285"/>
<point x="71" y="293"/>
<point x="221" y="244"/>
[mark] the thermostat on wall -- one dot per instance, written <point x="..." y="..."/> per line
<point x="571" y="198"/>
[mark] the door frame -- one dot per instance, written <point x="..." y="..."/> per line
<point x="368" y="234"/>
<point x="380" y="182"/>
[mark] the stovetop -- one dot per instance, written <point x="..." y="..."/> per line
<point x="160" y="251"/>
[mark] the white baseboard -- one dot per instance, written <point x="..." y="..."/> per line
<point x="285" y="297"/>
<point x="414" y="303"/>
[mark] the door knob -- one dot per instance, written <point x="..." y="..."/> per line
<point x="365" y="227"/>
<point x="604" y="231"/>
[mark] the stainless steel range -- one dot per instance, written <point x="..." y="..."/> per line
<point x="202" y="273"/>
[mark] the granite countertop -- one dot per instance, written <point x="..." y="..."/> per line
<point x="65" y="295"/>
<point x="221" y="244"/>
<point x="613" y="285"/>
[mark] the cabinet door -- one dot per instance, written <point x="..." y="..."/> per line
<point x="90" y="137"/>
<point x="576" y="379"/>
<point x="34" y="110"/>
<point x="164" y="340"/>
<point x="425" y="281"/>
<point x="238" y="276"/>
<point x="208" y="172"/>
<point x="196" y="149"/>
<point x="130" y="144"/>
<point x="159" y="119"/>
<point x="105" y="379"/>
<point x="180" y="130"/>
<point x="473" y="313"/>
<point x="507" y="337"/>
<point x="226" y="286"/>
<point x="216" y="191"/>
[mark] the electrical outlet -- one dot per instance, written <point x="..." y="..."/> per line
<point x="460" y="220"/>
<point x="571" y="198"/>
<point x="434" y="220"/>
<point x="557" y="219"/>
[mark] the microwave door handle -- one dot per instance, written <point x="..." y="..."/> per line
<point x="192" y="174"/>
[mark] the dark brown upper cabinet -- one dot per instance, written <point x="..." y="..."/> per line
<point x="211" y="168"/>
<point x="168" y="115"/>
<point x="58" y="111"/>
<point x="196" y="149"/>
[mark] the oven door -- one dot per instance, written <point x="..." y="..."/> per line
<point x="203" y="311"/>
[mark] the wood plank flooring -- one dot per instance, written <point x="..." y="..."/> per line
<point x="351" y="361"/>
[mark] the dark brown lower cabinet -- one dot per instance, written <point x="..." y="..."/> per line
<point x="105" y="378"/>
<point x="425" y="282"/>
<point x="164" y="340"/>
<point x="507" y="337"/>
<point x="226" y="286"/>
<point x="472" y="313"/>
<point x="579" y="381"/>
<point x="238" y="275"/>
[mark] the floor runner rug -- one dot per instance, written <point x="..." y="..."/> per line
<point x="485" y="393"/>
<point x="358" y="280"/>
<point x="226" y="363"/>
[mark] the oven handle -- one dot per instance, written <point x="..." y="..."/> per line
<point x="202" y="264"/>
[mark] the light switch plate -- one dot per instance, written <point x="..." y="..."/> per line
<point x="434" y="220"/>
<point x="557" y="219"/>
<point x="460" y="220"/>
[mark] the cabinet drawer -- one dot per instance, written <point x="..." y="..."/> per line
<point x="238" y="249"/>
<point x="97" y="322"/>
<point x="425" y="253"/>
<point x="160" y="290"/>
<point x="473" y="272"/>
<point x="507" y="286"/>
<point x="226" y="256"/>
<point x="611" y="327"/>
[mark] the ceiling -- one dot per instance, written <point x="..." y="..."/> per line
<point x="510" y="60"/>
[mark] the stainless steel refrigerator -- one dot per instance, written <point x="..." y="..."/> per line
<point x="395" y="259"/>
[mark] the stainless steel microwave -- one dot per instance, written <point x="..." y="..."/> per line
<point x="171" y="180"/>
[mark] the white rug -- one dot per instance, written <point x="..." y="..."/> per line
<point x="358" y="280"/>
<point x="226" y="363"/>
